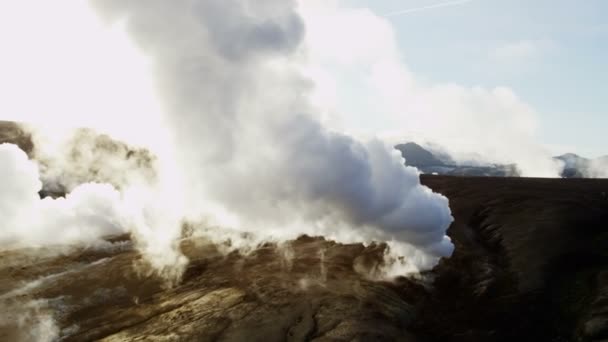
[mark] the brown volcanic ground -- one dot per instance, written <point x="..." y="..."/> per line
<point x="530" y="265"/>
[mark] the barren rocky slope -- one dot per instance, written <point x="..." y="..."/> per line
<point x="530" y="264"/>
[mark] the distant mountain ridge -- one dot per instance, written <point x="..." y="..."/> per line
<point x="418" y="156"/>
<point x="430" y="162"/>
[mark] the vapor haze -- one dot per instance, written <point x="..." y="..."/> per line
<point x="250" y="140"/>
<point x="88" y="213"/>
<point x="241" y="104"/>
<point x="371" y="91"/>
<point x="85" y="216"/>
<point x="598" y="168"/>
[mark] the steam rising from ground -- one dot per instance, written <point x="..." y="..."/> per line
<point x="241" y="105"/>
<point x="230" y="100"/>
<point x="35" y="322"/>
<point x="245" y="145"/>
<point x="85" y="216"/>
<point x="251" y="141"/>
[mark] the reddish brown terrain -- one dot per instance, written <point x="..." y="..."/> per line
<point x="530" y="264"/>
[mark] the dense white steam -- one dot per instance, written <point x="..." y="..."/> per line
<point x="88" y="213"/>
<point x="244" y="143"/>
<point x="251" y="142"/>
<point x="85" y="216"/>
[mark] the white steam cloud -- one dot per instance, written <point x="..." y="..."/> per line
<point x="250" y="140"/>
<point x="245" y="106"/>
<point x="364" y="87"/>
<point x="220" y="92"/>
<point x="88" y="213"/>
<point x="85" y="216"/>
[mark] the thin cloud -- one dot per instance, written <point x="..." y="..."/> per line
<point x="425" y="8"/>
<point x="526" y="50"/>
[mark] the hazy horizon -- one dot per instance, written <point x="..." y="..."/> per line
<point x="550" y="53"/>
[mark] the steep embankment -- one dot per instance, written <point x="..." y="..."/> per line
<point x="531" y="261"/>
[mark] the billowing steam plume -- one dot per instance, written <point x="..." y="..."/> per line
<point x="239" y="141"/>
<point x="85" y="216"/>
<point x="248" y="137"/>
<point x="88" y="213"/>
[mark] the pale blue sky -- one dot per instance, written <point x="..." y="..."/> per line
<point x="552" y="53"/>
